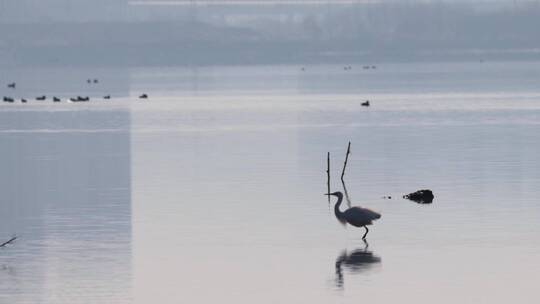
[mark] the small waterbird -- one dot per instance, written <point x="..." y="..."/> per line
<point x="12" y="85"/>
<point x="355" y="216"/>
<point x="80" y="99"/>
<point x="143" y="96"/>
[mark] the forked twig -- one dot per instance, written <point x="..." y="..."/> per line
<point x="347" y="198"/>
<point x="346" y="159"/>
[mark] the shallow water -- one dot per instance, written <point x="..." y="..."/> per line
<point x="212" y="190"/>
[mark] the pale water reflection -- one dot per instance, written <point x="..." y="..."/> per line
<point x="66" y="193"/>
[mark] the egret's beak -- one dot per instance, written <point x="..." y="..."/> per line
<point x="327" y="194"/>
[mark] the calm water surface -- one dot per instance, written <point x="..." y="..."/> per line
<point x="212" y="190"/>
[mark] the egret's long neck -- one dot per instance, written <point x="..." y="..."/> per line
<point x="338" y="213"/>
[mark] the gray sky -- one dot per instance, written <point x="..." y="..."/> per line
<point x="137" y="30"/>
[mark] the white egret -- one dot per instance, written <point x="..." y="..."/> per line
<point x="355" y="216"/>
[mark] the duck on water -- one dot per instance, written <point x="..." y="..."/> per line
<point x="355" y="216"/>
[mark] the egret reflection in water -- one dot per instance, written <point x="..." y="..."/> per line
<point x="357" y="261"/>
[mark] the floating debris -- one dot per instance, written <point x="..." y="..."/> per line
<point x="421" y="196"/>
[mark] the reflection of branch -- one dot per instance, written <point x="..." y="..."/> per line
<point x="346" y="159"/>
<point x="328" y="174"/>
<point x="347" y="198"/>
<point x="8" y="242"/>
<point x="339" y="270"/>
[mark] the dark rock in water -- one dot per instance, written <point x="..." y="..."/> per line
<point x="421" y="196"/>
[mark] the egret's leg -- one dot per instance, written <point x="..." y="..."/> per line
<point x="365" y="234"/>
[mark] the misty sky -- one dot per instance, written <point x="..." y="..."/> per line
<point x="25" y="11"/>
<point x="179" y="32"/>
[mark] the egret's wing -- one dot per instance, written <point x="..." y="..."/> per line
<point x="372" y="214"/>
<point x="361" y="216"/>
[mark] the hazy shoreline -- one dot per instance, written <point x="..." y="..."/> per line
<point x="131" y="35"/>
<point x="250" y="55"/>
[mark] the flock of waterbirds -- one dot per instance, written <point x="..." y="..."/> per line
<point x="348" y="67"/>
<point x="13" y="85"/>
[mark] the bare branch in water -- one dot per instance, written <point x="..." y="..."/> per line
<point x="9" y="241"/>
<point x="346" y="159"/>
<point x="347" y="198"/>
<point x="328" y="174"/>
